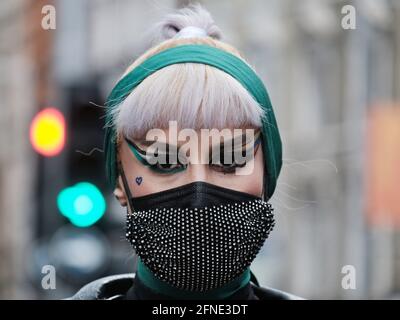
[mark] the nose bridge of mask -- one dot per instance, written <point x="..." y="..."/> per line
<point x="196" y="194"/>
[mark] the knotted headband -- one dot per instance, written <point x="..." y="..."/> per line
<point x="204" y="54"/>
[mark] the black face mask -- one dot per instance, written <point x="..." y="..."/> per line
<point x="198" y="236"/>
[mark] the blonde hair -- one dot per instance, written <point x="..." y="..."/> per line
<point x="195" y="95"/>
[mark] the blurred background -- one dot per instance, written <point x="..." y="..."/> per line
<point x="336" y="95"/>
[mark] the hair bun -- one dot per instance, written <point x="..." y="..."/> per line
<point x="190" y="32"/>
<point x="191" y="21"/>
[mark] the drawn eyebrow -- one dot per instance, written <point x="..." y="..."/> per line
<point x="145" y="152"/>
<point x="141" y="151"/>
<point x="222" y="146"/>
<point x="149" y="143"/>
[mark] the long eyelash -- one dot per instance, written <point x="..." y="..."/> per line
<point x="166" y="171"/>
<point x="154" y="167"/>
<point x="232" y="168"/>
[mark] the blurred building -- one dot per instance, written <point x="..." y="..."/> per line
<point x="324" y="82"/>
<point x="18" y="94"/>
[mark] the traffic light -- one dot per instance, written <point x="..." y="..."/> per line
<point x="82" y="200"/>
<point x="83" y="204"/>
<point x="84" y="161"/>
<point x="47" y="132"/>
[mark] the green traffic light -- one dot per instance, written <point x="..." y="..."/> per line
<point x="83" y="204"/>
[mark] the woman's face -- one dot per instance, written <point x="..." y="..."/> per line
<point x="144" y="179"/>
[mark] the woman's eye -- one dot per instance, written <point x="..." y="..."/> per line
<point x="226" y="168"/>
<point x="225" y="162"/>
<point x="168" y="168"/>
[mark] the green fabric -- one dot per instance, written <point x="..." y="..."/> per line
<point x="217" y="58"/>
<point x="161" y="287"/>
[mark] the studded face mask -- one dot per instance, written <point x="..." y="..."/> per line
<point x="198" y="236"/>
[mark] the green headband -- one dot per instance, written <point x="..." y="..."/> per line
<point x="217" y="58"/>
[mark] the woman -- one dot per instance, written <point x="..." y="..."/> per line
<point x="193" y="151"/>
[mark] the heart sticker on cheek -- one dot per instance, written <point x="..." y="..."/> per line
<point x="139" y="180"/>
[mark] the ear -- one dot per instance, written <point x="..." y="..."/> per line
<point x="119" y="193"/>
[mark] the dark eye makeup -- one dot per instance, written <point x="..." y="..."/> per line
<point x="174" y="166"/>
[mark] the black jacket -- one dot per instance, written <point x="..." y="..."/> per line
<point x="128" y="287"/>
